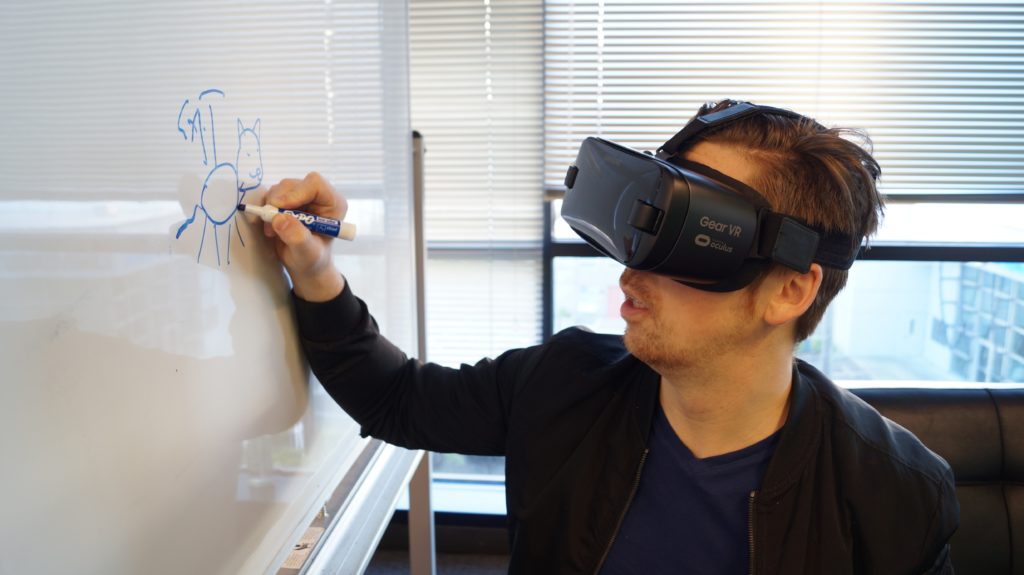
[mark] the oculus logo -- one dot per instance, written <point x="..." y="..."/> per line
<point x="705" y="241"/>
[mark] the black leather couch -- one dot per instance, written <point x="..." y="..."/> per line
<point x="980" y="432"/>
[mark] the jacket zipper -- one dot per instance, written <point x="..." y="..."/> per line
<point x="750" y="527"/>
<point x="622" y="516"/>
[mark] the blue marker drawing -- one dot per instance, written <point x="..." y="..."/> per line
<point x="249" y="160"/>
<point x="181" y="112"/>
<point x="226" y="183"/>
<point x="211" y="91"/>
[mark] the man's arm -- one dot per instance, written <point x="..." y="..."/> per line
<point x="400" y="400"/>
<point x="392" y="397"/>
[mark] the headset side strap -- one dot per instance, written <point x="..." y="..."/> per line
<point x="785" y="240"/>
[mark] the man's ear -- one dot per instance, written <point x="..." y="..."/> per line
<point x="792" y="293"/>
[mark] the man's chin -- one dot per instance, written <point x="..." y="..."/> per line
<point x="652" y="350"/>
<point x="638" y="344"/>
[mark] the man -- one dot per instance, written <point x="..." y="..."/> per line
<point x="696" y="443"/>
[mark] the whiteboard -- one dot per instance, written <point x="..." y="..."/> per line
<point x="156" y="414"/>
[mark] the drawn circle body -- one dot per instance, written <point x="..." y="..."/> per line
<point x="220" y="196"/>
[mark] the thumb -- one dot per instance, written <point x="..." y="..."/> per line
<point x="291" y="232"/>
<point x="298" y="239"/>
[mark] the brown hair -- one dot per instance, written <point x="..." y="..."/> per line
<point x="827" y="177"/>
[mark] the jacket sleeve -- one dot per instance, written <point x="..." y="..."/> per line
<point x="400" y="400"/>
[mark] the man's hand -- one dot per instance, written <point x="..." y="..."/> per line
<point x="306" y="255"/>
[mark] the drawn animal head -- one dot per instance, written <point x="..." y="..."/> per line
<point x="250" y="158"/>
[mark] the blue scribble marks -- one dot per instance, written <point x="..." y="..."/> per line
<point x="226" y="184"/>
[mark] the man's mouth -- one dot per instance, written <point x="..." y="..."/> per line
<point x="636" y="303"/>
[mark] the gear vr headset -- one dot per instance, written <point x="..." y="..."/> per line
<point x="684" y="220"/>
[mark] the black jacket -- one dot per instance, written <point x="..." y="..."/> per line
<point x="847" y="491"/>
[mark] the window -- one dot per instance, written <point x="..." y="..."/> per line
<point x="939" y="84"/>
<point x="939" y="87"/>
<point x="505" y="90"/>
<point x="904" y="321"/>
<point x="476" y="85"/>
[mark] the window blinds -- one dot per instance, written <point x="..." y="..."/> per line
<point x="480" y="307"/>
<point x="938" y="85"/>
<point x="477" y="87"/>
<point x="476" y="97"/>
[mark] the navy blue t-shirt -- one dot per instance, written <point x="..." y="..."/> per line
<point x="689" y="515"/>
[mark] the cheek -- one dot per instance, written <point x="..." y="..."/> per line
<point x="680" y="313"/>
<point x="684" y="309"/>
<point x="683" y="299"/>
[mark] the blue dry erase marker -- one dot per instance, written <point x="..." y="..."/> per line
<point x="318" y="224"/>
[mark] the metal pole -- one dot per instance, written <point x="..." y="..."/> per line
<point x="421" y="515"/>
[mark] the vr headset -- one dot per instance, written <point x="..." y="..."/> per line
<point x="684" y="220"/>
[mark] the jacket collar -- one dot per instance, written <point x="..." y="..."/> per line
<point x="800" y="437"/>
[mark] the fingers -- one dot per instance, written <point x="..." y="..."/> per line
<point x="304" y="250"/>
<point x="283" y="194"/>
<point x="306" y="256"/>
<point x="312" y="194"/>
